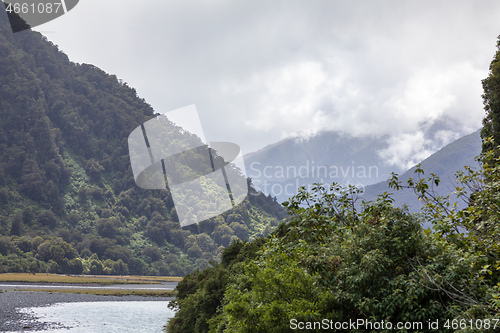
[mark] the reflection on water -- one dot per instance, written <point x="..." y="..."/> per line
<point x="107" y="317"/>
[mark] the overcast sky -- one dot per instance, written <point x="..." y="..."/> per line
<point x="259" y="71"/>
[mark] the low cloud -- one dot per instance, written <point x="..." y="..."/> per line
<point x="259" y="73"/>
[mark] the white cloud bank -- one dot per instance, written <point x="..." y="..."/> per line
<point x="259" y="71"/>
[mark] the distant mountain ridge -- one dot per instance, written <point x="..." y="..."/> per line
<point x="444" y="163"/>
<point x="328" y="157"/>
<point x="279" y="169"/>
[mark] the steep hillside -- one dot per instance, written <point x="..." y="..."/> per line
<point x="68" y="200"/>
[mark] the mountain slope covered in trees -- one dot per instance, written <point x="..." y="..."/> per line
<point x="68" y="200"/>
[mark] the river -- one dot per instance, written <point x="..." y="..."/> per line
<point x="42" y="286"/>
<point x="109" y="317"/>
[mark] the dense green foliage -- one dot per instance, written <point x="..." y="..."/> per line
<point x="331" y="261"/>
<point x="201" y="293"/>
<point x="491" y="100"/>
<point x="68" y="200"/>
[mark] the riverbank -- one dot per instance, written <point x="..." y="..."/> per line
<point x="14" y="321"/>
<point x="162" y="286"/>
<point x="81" y="279"/>
<point x="165" y="289"/>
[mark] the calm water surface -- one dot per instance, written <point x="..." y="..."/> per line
<point x="140" y="316"/>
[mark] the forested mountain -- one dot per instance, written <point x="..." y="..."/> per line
<point x="68" y="200"/>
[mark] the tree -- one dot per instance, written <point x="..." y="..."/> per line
<point x="157" y="230"/>
<point x="107" y="227"/>
<point x="94" y="169"/>
<point x="75" y="266"/>
<point x="16" y="226"/>
<point x="194" y="251"/>
<point x="240" y="230"/>
<point x="47" y="218"/>
<point x="152" y="253"/>
<point x="491" y="100"/>
<point x="32" y="181"/>
<point x="6" y="245"/>
<point x="201" y="293"/>
<point x="28" y="216"/>
<point x="95" y="267"/>
<point x="60" y="252"/>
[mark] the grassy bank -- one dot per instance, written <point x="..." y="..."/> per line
<point x="78" y="279"/>
<point x="106" y="292"/>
